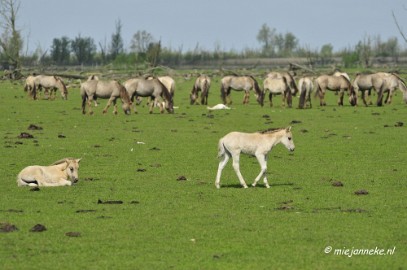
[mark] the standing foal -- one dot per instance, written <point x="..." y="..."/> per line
<point x="258" y="144"/>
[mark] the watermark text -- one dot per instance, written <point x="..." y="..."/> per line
<point x="349" y="252"/>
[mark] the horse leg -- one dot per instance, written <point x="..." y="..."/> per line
<point x="90" y="99"/>
<point x="321" y="97"/>
<point x="237" y="169"/>
<point x="289" y="99"/>
<point x="221" y="166"/>
<point x="134" y="103"/>
<point x="271" y="99"/>
<point x="308" y="100"/>
<point x="368" y="96"/>
<point x="340" y="99"/>
<point x="114" y="106"/>
<point x="379" y="101"/>
<point x="262" y="159"/>
<point x="389" y="96"/>
<point x="152" y="104"/>
<point x="228" y="98"/>
<point x="244" y="98"/>
<point x="109" y="102"/>
<point x="247" y="97"/>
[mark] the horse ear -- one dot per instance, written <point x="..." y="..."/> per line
<point x="288" y="129"/>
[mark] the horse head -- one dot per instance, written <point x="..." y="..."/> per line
<point x="62" y="87"/>
<point x="193" y="96"/>
<point x="287" y="139"/>
<point x="126" y="101"/>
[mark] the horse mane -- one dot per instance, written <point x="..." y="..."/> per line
<point x="123" y="92"/>
<point x="62" y="161"/>
<point x="166" y="92"/>
<point x="270" y="130"/>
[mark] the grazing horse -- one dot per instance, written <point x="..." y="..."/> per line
<point x="334" y="83"/>
<point x="63" y="172"/>
<point x="392" y="82"/>
<point x="202" y="83"/>
<point x="29" y="86"/>
<point x="112" y="90"/>
<point x="290" y="80"/>
<point x="366" y="82"/>
<point x="240" y="83"/>
<point x="305" y="85"/>
<point x="258" y="144"/>
<point x="51" y="84"/>
<point x="381" y="82"/>
<point x="154" y="88"/>
<point x="169" y="83"/>
<point x="278" y="86"/>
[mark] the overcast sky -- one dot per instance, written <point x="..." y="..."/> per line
<point x="209" y="23"/>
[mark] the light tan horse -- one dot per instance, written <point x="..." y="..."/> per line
<point x="305" y="86"/>
<point x="154" y="88"/>
<point x="258" y="144"/>
<point x="381" y="82"/>
<point x="240" y="83"/>
<point x="289" y="78"/>
<point x="366" y="82"/>
<point x="278" y="86"/>
<point x="29" y="85"/>
<point x="334" y="83"/>
<point x="112" y="90"/>
<point x="202" y="84"/>
<point x="63" y="172"/>
<point x="169" y="83"/>
<point x="392" y="82"/>
<point x="51" y="84"/>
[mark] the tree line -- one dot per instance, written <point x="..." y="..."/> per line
<point x="145" y="49"/>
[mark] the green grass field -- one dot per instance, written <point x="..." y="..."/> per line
<point x="166" y="223"/>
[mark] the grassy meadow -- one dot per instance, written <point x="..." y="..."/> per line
<point x="158" y="172"/>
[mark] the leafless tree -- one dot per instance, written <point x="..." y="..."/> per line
<point x="398" y="26"/>
<point x="10" y="40"/>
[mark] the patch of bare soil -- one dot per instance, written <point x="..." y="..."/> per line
<point x="109" y="202"/>
<point x="7" y="227"/>
<point x="34" y="127"/>
<point x="85" y="211"/>
<point x="286" y="205"/>
<point x="38" y="228"/>
<point x="361" y="192"/>
<point x="181" y="178"/>
<point x="73" y="234"/>
<point x="25" y="135"/>
<point x="337" y="184"/>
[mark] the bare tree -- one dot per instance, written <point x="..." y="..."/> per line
<point x="10" y="41"/>
<point x="116" y="44"/>
<point x="141" y="41"/>
<point x="398" y="27"/>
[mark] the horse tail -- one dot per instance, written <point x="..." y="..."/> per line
<point x="84" y="98"/>
<point x="221" y="149"/>
<point x="303" y="92"/>
<point x="223" y="92"/>
<point x="205" y="92"/>
<point x="317" y="88"/>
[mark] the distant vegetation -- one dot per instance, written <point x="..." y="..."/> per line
<point x="146" y="50"/>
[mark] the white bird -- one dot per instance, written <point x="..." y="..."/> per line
<point x="218" y="107"/>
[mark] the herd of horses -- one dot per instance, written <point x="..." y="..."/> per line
<point x="160" y="90"/>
